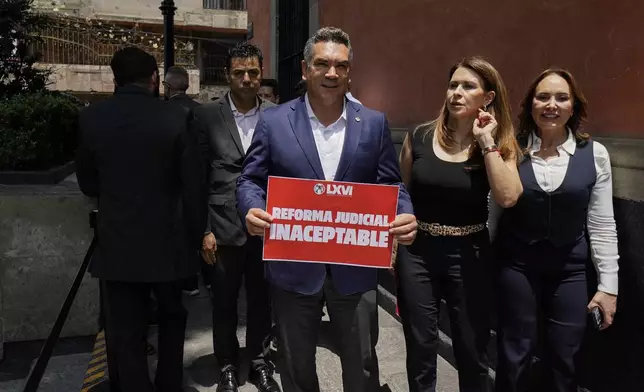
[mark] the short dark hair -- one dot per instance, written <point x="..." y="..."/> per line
<point x="181" y="75"/>
<point x="244" y="50"/>
<point x="132" y="65"/>
<point x="272" y="83"/>
<point x="327" y="34"/>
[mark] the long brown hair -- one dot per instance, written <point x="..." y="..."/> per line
<point x="579" y="114"/>
<point x="499" y="108"/>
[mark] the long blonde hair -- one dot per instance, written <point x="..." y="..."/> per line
<point x="499" y="107"/>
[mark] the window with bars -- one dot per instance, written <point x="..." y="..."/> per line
<point x="233" y="5"/>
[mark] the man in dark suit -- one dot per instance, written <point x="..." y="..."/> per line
<point x="323" y="135"/>
<point x="175" y="86"/>
<point x="227" y="128"/>
<point x="139" y="157"/>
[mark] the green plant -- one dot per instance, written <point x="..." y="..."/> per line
<point x="19" y="26"/>
<point x="37" y="131"/>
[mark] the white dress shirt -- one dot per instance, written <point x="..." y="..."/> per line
<point x="550" y="175"/>
<point x="328" y="140"/>
<point x="246" y="122"/>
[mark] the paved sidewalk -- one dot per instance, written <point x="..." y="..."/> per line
<point x="202" y="374"/>
<point x="66" y="370"/>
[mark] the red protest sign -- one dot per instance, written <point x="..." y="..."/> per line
<point x="330" y="222"/>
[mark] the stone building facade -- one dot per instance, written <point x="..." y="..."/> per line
<point x="85" y="33"/>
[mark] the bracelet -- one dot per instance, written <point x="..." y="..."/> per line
<point x="489" y="149"/>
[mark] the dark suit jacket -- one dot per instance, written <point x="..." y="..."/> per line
<point x="185" y="101"/>
<point x="139" y="156"/>
<point x="283" y="145"/>
<point x="220" y="142"/>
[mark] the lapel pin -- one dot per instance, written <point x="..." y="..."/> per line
<point x="358" y="119"/>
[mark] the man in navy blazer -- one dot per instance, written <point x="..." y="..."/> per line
<point x="322" y="135"/>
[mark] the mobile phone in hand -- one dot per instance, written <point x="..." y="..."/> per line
<point x="597" y="318"/>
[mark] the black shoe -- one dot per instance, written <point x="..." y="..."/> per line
<point x="228" y="381"/>
<point x="273" y="346"/>
<point x="262" y="378"/>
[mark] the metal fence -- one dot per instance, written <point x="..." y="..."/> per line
<point x="214" y="70"/>
<point x="214" y="55"/>
<point x="233" y="5"/>
<point x="90" y="42"/>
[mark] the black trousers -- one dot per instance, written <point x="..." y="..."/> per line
<point x="234" y="264"/>
<point x="126" y="328"/>
<point x="450" y="268"/>
<point x="545" y="290"/>
<point x="192" y="283"/>
<point x="354" y="322"/>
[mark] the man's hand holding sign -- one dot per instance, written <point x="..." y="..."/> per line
<point x="403" y="227"/>
<point x="331" y="222"/>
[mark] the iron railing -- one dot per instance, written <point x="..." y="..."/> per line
<point x="37" y="372"/>
<point x="214" y="69"/>
<point x="88" y="42"/>
<point x="233" y="5"/>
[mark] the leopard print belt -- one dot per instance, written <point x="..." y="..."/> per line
<point x="436" y="229"/>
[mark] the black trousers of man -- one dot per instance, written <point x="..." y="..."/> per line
<point x="354" y="322"/>
<point x="126" y="316"/>
<point x="234" y="264"/>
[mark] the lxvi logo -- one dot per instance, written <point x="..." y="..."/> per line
<point x="318" y="189"/>
<point x="333" y="189"/>
<point x="340" y="190"/>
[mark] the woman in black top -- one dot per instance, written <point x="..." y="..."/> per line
<point x="450" y="165"/>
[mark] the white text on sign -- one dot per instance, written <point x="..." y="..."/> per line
<point x="325" y="234"/>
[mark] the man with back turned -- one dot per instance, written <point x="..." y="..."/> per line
<point x="139" y="157"/>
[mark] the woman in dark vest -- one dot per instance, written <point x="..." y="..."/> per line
<point x="450" y="165"/>
<point x="543" y="240"/>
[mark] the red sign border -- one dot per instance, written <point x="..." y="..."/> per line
<point x="267" y="231"/>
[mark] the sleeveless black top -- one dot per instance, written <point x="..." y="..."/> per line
<point x="447" y="193"/>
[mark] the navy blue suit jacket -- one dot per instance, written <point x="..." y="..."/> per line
<point x="283" y="145"/>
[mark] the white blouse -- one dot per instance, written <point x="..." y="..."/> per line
<point x="550" y="174"/>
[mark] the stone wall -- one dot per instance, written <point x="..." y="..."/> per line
<point x="189" y="12"/>
<point x="207" y="92"/>
<point x="98" y="78"/>
<point x="45" y="235"/>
